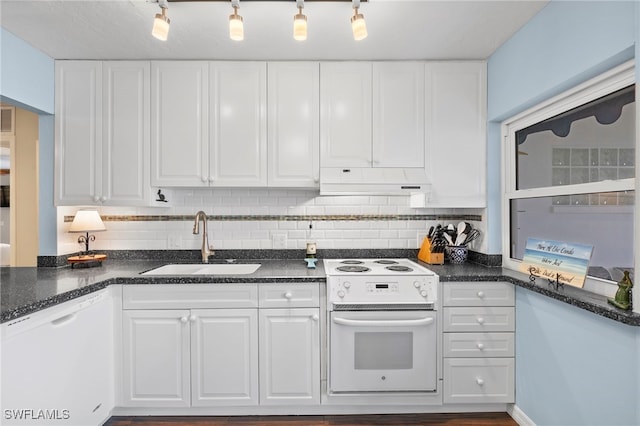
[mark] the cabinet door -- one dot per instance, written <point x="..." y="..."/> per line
<point x="179" y="123"/>
<point x="289" y="356"/>
<point x="398" y="114"/>
<point x="156" y="365"/>
<point x="294" y="132"/>
<point x="125" y="133"/>
<point x="345" y="114"/>
<point x="238" y="155"/>
<point x="78" y="132"/>
<point x="224" y="357"/>
<point x="456" y="133"/>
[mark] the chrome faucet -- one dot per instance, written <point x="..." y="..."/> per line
<point x="206" y="249"/>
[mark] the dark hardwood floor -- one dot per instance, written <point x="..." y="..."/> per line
<point x="458" y="419"/>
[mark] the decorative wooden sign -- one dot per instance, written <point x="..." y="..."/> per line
<point x="560" y="262"/>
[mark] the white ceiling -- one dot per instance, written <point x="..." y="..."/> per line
<point x="121" y="29"/>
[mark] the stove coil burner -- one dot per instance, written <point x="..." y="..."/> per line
<point x="398" y="268"/>
<point x="352" y="262"/>
<point x="352" y="268"/>
<point x="385" y="262"/>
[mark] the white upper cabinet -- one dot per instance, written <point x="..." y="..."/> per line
<point x="294" y="132"/>
<point x="102" y="133"/>
<point x="455" y="121"/>
<point x="345" y="114"/>
<point x="180" y="123"/>
<point x="372" y="114"/>
<point x="78" y="131"/>
<point x="238" y="125"/>
<point x="125" y="133"/>
<point x="398" y="114"/>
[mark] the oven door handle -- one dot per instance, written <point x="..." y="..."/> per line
<point x="382" y="323"/>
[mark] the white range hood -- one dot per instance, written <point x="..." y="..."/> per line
<point x="373" y="181"/>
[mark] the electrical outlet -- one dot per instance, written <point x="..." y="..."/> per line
<point x="279" y="241"/>
<point x="174" y="242"/>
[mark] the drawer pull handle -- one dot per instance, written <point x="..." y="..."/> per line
<point x="480" y="346"/>
<point x="481" y="294"/>
<point x="288" y="295"/>
<point x="479" y="381"/>
<point x="480" y="320"/>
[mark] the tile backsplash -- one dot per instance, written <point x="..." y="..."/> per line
<point x="266" y="218"/>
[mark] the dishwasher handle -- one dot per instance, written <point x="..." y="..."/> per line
<point x="382" y="323"/>
<point x="58" y="322"/>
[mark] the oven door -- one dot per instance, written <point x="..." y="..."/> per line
<point x="383" y="351"/>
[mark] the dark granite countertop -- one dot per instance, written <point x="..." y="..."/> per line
<point x="27" y="290"/>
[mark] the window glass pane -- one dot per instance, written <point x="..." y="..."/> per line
<point x="590" y="143"/>
<point x="603" y="220"/>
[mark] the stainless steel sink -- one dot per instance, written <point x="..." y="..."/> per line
<point x="205" y="269"/>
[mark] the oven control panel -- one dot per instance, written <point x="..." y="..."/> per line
<point x="416" y="289"/>
<point x="385" y="288"/>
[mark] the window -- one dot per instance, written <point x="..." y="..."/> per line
<point x="570" y="175"/>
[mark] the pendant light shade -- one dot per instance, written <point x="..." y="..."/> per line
<point x="300" y="23"/>
<point x="236" y="26"/>
<point x="161" y="25"/>
<point x="358" y="25"/>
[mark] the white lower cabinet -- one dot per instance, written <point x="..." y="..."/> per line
<point x="479" y="342"/>
<point x="221" y="345"/>
<point x="289" y="356"/>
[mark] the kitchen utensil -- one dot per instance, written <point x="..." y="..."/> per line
<point x="448" y="238"/>
<point x="430" y="233"/>
<point x="461" y="227"/>
<point x="474" y="234"/>
<point x="460" y="239"/>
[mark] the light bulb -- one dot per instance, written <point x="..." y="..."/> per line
<point x="358" y="26"/>
<point x="161" y="26"/>
<point x="300" y="26"/>
<point x="236" y="26"/>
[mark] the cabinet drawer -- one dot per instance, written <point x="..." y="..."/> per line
<point x="479" y="319"/>
<point x="478" y="294"/>
<point x="478" y="345"/>
<point x="189" y="296"/>
<point x="479" y="380"/>
<point x="292" y="295"/>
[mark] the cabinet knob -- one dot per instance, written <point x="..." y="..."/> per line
<point x="316" y="180"/>
<point x="480" y="294"/>
<point x="480" y="346"/>
<point x="315" y="317"/>
<point x="479" y="381"/>
<point x="103" y="199"/>
<point x="192" y="318"/>
<point x="288" y="295"/>
<point x="205" y="179"/>
<point x="480" y="320"/>
<point x="211" y="179"/>
<point x="184" y="320"/>
<point x="96" y="198"/>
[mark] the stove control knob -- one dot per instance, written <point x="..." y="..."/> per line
<point x="341" y="294"/>
<point x="423" y="293"/>
<point x="346" y="284"/>
<point x="416" y="284"/>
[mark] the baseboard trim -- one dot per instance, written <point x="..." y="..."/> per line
<point x="519" y="416"/>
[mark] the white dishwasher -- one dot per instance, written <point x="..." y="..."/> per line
<point x="57" y="364"/>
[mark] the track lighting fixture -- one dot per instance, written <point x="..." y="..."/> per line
<point x="300" y="23"/>
<point x="358" y="26"/>
<point x="161" y="22"/>
<point x="236" y="26"/>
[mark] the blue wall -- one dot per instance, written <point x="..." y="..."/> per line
<point x="572" y="367"/>
<point x="566" y="43"/>
<point x="27" y="80"/>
